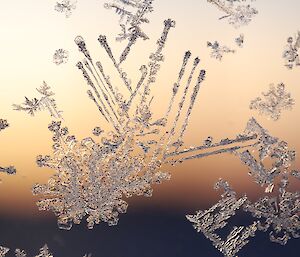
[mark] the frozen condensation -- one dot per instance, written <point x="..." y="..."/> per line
<point x="291" y="52"/>
<point x="217" y="50"/>
<point x="46" y="102"/>
<point x="66" y="7"/>
<point x="60" y="56"/>
<point x="273" y="102"/>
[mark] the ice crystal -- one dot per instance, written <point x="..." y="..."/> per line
<point x="44" y="252"/>
<point x="65" y="6"/>
<point x="92" y="179"/>
<point x="238" y="12"/>
<point x="279" y="214"/>
<point x="270" y="149"/>
<point x="60" y="56"/>
<point x="215" y="218"/>
<point x="273" y="102"/>
<point x="46" y="102"/>
<point x="132" y="15"/>
<point x="8" y="170"/>
<point x="3" y="251"/>
<point x="217" y="50"/>
<point x="291" y="52"/>
<point x="240" y="40"/>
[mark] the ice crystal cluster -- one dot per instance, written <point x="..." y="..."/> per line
<point x="132" y="15"/>
<point x="217" y="50"/>
<point x="60" y="56"/>
<point x="273" y="102"/>
<point x="46" y="102"/>
<point x="279" y="214"/>
<point x="291" y="52"/>
<point x="93" y="179"/>
<point x="44" y="252"/>
<point x="8" y="170"/>
<point x="66" y="7"/>
<point x="237" y="12"/>
<point x="240" y="40"/>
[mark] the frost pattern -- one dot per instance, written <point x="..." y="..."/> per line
<point x="46" y="102"/>
<point x="3" y="251"/>
<point x="92" y="179"/>
<point x="60" y="56"/>
<point x="237" y="12"/>
<point x="240" y="40"/>
<point x="132" y="15"/>
<point x="65" y="6"/>
<point x="291" y="52"/>
<point x="215" y="218"/>
<point x="11" y="169"/>
<point x="217" y="50"/>
<point x="273" y="102"/>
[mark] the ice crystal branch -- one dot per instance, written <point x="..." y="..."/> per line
<point x="46" y="102"/>
<point x="65" y="6"/>
<point x="3" y="251"/>
<point x="238" y="13"/>
<point x="291" y="52"/>
<point x="132" y="15"/>
<point x="60" y="56"/>
<point x="210" y="221"/>
<point x="273" y="102"/>
<point x="240" y="40"/>
<point x="217" y="50"/>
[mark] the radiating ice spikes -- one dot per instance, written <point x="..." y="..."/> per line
<point x="60" y="56"/>
<point x="217" y="51"/>
<point x="65" y="6"/>
<point x="238" y="13"/>
<point x="267" y="148"/>
<point x="11" y="169"/>
<point x="273" y="102"/>
<point x="280" y="214"/>
<point x="291" y="52"/>
<point x="46" y="102"/>
<point x="132" y="16"/>
<point x="210" y="221"/>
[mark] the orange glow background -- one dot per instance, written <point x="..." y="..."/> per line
<point x="30" y="33"/>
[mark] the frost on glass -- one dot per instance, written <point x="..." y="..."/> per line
<point x="94" y="178"/>
<point x="66" y="7"/>
<point x="237" y="12"/>
<point x="273" y="102"/>
<point x="215" y="218"/>
<point x="217" y="50"/>
<point x="291" y="52"/>
<point x="11" y="169"/>
<point x="44" y="252"/>
<point x="60" y="56"/>
<point x="45" y="102"/>
<point x="3" y="251"/>
<point x="132" y="16"/>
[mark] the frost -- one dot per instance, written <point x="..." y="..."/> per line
<point x="237" y="12"/>
<point x="46" y="102"/>
<point x="65" y="6"/>
<point x="215" y="218"/>
<point x="60" y="56"/>
<point x="132" y="15"/>
<point x="217" y="50"/>
<point x="240" y="40"/>
<point x="273" y="102"/>
<point x="8" y="170"/>
<point x="291" y="52"/>
<point x="3" y="251"/>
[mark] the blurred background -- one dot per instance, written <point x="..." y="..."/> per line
<point x="31" y="31"/>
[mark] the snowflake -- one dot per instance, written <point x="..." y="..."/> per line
<point x="65" y="6"/>
<point x="46" y="102"/>
<point x="218" y="51"/>
<point x="275" y="101"/>
<point x="8" y="170"/>
<point x="215" y="218"/>
<point x="240" y="40"/>
<point x="291" y="54"/>
<point x="92" y="179"/>
<point x="132" y="16"/>
<point x="238" y="14"/>
<point x="60" y="56"/>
